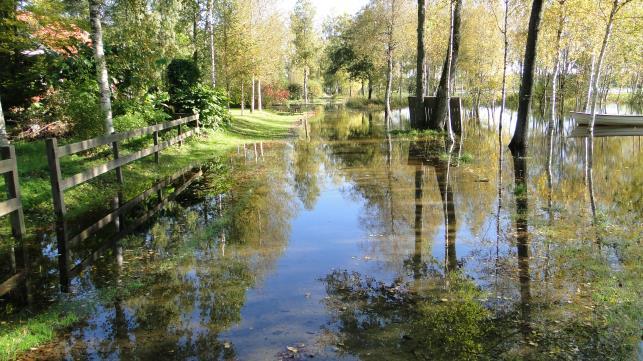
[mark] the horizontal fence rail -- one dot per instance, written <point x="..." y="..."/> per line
<point x="55" y="152"/>
<point x="13" y="208"/>
<point x="59" y="184"/>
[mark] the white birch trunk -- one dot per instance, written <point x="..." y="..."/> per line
<point x="306" y="85"/>
<point x="259" y="96"/>
<point x="4" y="140"/>
<point x="101" y="64"/>
<point x="252" y="97"/>
<point x="213" y="63"/>
<point x="449" y="126"/>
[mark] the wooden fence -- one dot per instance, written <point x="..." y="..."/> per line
<point x="60" y="184"/>
<point x="55" y="152"/>
<point x="13" y="208"/>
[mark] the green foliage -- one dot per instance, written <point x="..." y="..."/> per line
<point x="129" y="121"/>
<point x="209" y="103"/>
<point x="182" y="74"/>
<point x="295" y="91"/>
<point x="314" y="89"/>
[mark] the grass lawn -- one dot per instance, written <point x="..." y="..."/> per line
<point x="139" y="175"/>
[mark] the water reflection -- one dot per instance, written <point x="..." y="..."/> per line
<point x="355" y="243"/>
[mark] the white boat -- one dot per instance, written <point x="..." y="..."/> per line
<point x="614" y="131"/>
<point x="608" y="119"/>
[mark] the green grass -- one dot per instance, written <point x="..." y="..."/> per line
<point x="25" y="332"/>
<point x="415" y="133"/>
<point x="362" y="103"/>
<point x="95" y="196"/>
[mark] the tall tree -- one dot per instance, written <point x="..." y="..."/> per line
<point x="210" y="29"/>
<point x="518" y="144"/>
<point x="3" y="128"/>
<point x="390" y="26"/>
<point x="596" y="78"/>
<point x="301" y="22"/>
<point x="420" y="115"/>
<point x="440" y="109"/>
<point x="554" y="82"/>
<point x="101" y="64"/>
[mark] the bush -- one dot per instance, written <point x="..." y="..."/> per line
<point x="129" y="121"/>
<point x="152" y="107"/>
<point x="274" y="95"/>
<point x="182" y="74"/>
<point x="315" y="89"/>
<point x="209" y="103"/>
<point x="295" y="91"/>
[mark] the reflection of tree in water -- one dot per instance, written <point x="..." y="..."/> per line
<point x="189" y="283"/>
<point x="376" y="320"/>
<point x="307" y="172"/>
<point x="430" y="314"/>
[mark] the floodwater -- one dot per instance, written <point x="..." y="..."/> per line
<point x="355" y="244"/>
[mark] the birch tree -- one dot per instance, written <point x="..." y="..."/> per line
<point x="518" y="144"/>
<point x="420" y="115"/>
<point x="101" y="64"/>
<point x="441" y="109"/>
<point x="301" y="22"/>
<point x="3" y="128"/>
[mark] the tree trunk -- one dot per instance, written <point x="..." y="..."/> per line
<point x="518" y="143"/>
<point x="213" y="63"/>
<point x="306" y="85"/>
<point x="440" y="109"/>
<point x="554" y="80"/>
<point x="420" y="115"/>
<point x="594" y="86"/>
<point x="243" y="99"/>
<point x="504" y="75"/>
<point x="4" y="140"/>
<point x="449" y="65"/>
<point x="195" y="29"/>
<point x="259" y="97"/>
<point x="389" y="82"/>
<point x="252" y="97"/>
<point x="101" y="64"/>
<point x="588" y="102"/>
<point x="370" y="89"/>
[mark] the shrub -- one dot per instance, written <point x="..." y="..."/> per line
<point x="274" y="95"/>
<point x="315" y="89"/>
<point x="152" y="107"/>
<point x="182" y="74"/>
<point x="295" y="91"/>
<point x="129" y="121"/>
<point x="209" y="103"/>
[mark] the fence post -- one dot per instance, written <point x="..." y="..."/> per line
<point x="180" y="132"/>
<point x="119" y="171"/>
<point x="156" y="143"/>
<point x="13" y="191"/>
<point x="55" y="175"/>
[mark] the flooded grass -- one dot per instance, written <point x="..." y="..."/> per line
<point x="353" y="245"/>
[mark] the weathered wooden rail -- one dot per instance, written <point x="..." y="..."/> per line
<point x="55" y="153"/>
<point x="13" y="208"/>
